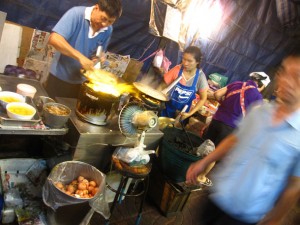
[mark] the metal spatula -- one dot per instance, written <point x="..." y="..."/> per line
<point x="183" y="128"/>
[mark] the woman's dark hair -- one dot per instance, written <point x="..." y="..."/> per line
<point x="196" y="52"/>
<point x="113" y="8"/>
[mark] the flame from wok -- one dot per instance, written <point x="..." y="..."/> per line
<point x="100" y="76"/>
<point x="103" y="81"/>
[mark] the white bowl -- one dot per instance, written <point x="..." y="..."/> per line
<point x="20" y="111"/>
<point x="26" y="90"/>
<point x="8" y="97"/>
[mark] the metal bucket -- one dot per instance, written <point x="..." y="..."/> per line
<point x="94" y="106"/>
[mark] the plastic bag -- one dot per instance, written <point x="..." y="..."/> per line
<point x="12" y="198"/>
<point x="30" y="216"/>
<point x="67" y="171"/>
<point x="220" y="80"/>
<point x="205" y="148"/>
<point x="161" y="61"/>
<point x="37" y="173"/>
<point x="166" y="63"/>
<point x="132" y="156"/>
<point x="157" y="61"/>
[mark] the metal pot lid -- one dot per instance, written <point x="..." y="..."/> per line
<point x="151" y="91"/>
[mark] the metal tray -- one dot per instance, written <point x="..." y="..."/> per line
<point x="6" y="121"/>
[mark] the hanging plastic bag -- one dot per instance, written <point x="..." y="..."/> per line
<point x="157" y="61"/>
<point x="166" y="63"/>
<point x="161" y="62"/>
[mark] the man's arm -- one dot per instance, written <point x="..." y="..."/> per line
<point x="61" y="45"/>
<point x="286" y="201"/>
<point x="221" y="150"/>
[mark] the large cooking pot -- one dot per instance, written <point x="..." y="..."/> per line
<point x="94" y="106"/>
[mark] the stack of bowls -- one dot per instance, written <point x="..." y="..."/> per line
<point x="26" y="90"/>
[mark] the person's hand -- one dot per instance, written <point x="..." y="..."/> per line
<point x="95" y="60"/>
<point x="193" y="171"/>
<point x="101" y="58"/>
<point x="184" y="115"/>
<point x="86" y="63"/>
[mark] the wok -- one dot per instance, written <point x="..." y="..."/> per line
<point x="151" y="91"/>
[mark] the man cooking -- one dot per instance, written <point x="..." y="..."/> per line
<point x="76" y="37"/>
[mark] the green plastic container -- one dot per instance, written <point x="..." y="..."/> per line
<point x="174" y="161"/>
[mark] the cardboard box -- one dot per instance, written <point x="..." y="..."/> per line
<point x="133" y="70"/>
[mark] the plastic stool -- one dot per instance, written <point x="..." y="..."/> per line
<point x="129" y="173"/>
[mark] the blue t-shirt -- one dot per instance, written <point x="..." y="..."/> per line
<point x="249" y="180"/>
<point x="75" y="29"/>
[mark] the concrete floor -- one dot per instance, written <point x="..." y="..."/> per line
<point x="125" y="214"/>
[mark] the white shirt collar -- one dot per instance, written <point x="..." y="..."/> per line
<point x="87" y="16"/>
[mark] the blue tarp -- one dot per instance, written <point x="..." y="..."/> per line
<point x="251" y="37"/>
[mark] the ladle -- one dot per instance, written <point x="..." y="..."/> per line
<point x="98" y="55"/>
<point x="188" y="136"/>
<point x="183" y="128"/>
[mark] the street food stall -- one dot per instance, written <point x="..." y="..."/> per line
<point x="94" y="144"/>
<point x="90" y="137"/>
<point x="95" y="122"/>
<point x="87" y="136"/>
